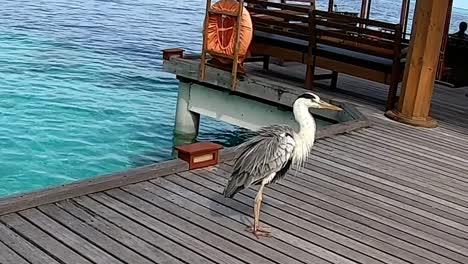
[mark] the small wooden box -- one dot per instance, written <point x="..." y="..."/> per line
<point x="201" y="154"/>
<point x="168" y="53"/>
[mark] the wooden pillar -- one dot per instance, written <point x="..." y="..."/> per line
<point x="369" y="6"/>
<point x="421" y="65"/>
<point x="330" y="5"/>
<point x="364" y="4"/>
<point x="404" y="16"/>
<point x="441" y="66"/>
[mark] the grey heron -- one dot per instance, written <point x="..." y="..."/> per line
<point x="266" y="157"/>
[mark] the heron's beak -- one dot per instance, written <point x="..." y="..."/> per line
<point x="325" y="105"/>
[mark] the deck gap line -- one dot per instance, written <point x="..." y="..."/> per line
<point x="17" y="253"/>
<point x="307" y="239"/>
<point x="19" y="238"/>
<point x="36" y="210"/>
<point x="53" y="237"/>
<point x="385" y="137"/>
<point x="430" y="206"/>
<point x="206" y="218"/>
<point x="401" y="146"/>
<point x="130" y="192"/>
<point x="139" y="224"/>
<point x="357" y="141"/>
<point x="332" y="223"/>
<point x="362" y="198"/>
<point x="57" y="219"/>
<point x="381" y="176"/>
<point x="228" y="216"/>
<point x="153" y="230"/>
<point x="357" y="213"/>
<point x="109" y="236"/>
<point x="432" y="201"/>
<point x="280" y="229"/>
<point x="381" y="208"/>
<point x="386" y="158"/>
<point x="367" y="211"/>
<point x="308" y="173"/>
<point x="33" y="243"/>
<point x="174" y="227"/>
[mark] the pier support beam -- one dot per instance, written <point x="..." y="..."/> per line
<point x="418" y="82"/>
<point x="186" y="121"/>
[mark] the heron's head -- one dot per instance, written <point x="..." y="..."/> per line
<point x="313" y="101"/>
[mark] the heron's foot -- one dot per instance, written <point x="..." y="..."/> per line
<point x="259" y="231"/>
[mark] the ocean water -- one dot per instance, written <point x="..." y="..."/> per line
<point x="82" y="91"/>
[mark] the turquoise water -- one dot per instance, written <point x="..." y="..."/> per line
<point x="82" y="92"/>
<point x="81" y="88"/>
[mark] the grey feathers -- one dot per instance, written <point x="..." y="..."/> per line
<point x="269" y="152"/>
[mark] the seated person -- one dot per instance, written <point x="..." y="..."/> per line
<point x="461" y="32"/>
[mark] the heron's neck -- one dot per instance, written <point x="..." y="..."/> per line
<point x="306" y="136"/>
<point x="306" y="121"/>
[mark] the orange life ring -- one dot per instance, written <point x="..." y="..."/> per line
<point x="221" y="32"/>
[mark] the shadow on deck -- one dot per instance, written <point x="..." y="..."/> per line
<point x="390" y="193"/>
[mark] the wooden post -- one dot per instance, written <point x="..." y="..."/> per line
<point x="421" y="66"/>
<point x="369" y="5"/>
<point x="404" y="16"/>
<point x="330" y="5"/>
<point x="364" y="4"/>
<point x="441" y="66"/>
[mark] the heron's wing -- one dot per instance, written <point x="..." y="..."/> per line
<point x="270" y="151"/>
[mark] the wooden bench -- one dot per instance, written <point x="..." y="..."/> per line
<point x="282" y="31"/>
<point x="372" y="50"/>
<point x="343" y="44"/>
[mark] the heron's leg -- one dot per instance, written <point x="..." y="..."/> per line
<point x="256" y="229"/>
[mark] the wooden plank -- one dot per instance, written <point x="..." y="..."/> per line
<point x="451" y="230"/>
<point x="67" y="237"/>
<point x="32" y="199"/>
<point x="349" y="218"/>
<point x="361" y="233"/>
<point x="9" y="256"/>
<point x="445" y="144"/>
<point x="453" y="154"/>
<point x="399" y="142"/>
<point x="113" y="247"/>
<point x="143" y="231"/>
<point x="128" y="239"/>
<point x="318" y="192"/>
<point x="165" y="229"/>
<point x="279" y="221"/>
<point x="23" y="247"/>
<point x="146" y="191"/>
<point x="389" y="157"/>
<point x="224" y="216"/>
<point x="196" y="227"/>
<point x="42" y="240"/>
<point x="353" y="165"/>
<point x="409" y="195"/>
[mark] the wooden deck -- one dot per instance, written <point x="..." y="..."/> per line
<point x="386" y="194"/>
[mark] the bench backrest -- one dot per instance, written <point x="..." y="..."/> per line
<point x="280" y="18"/>
<point x="353" y="33"/>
